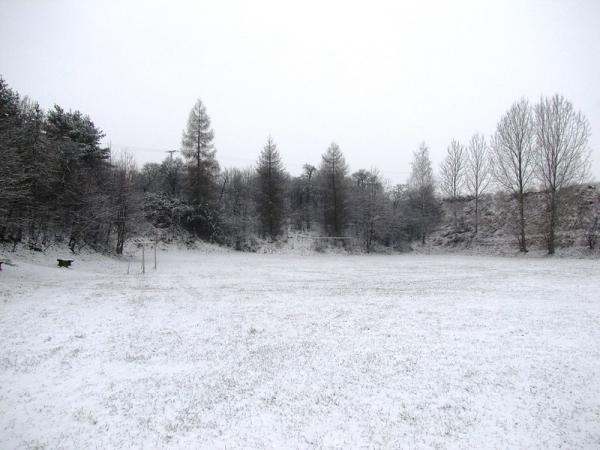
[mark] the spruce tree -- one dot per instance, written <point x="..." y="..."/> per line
<point x="198" y="150"/>
<point x="332" y="173"/>
<point x="12" y="190"/>
<point x="270" y="189"/>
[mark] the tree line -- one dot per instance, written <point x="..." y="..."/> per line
<point x="59" y="183"/>
<point x="544" y="147"/>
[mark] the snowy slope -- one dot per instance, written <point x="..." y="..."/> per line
<point x="235" y="350"/>
<point x="498" y="228"/>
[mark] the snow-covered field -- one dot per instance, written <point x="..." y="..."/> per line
<point x="229" y="350"/>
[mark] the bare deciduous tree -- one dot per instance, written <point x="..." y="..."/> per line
<point x="477" y="171"/>
<point x="423" y="208"/>
<point x="124" y="203"/>
<point x="368" y="205"/>
<point x="592" y="226"/>
<point x="172" y="171"/>
<point x="237" y="207"/>
<point x="512" y="157"/>
<point x="452" y="171"/>
<point x="562" y="153"/>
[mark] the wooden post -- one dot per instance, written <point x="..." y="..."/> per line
<point x="143" y="260"/>
<point x="155" y="255"/>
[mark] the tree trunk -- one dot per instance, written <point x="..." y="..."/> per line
<point x="72" y="242"/>
<point x="476" y="213"/>
<point x="522" y="242"/>
<point x="552" y="224"/>
<point x="335" y="217"/>
<point x="423" y="219"/>
<point x="121" y="227"/>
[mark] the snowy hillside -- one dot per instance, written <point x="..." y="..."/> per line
<point x="498" y="228"/>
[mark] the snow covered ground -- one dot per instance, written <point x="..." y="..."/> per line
<point x="228" y="350"/>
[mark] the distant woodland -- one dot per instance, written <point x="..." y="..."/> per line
<point x="58" y="183"/>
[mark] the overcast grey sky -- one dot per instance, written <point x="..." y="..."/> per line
<point x="377" y="77"/>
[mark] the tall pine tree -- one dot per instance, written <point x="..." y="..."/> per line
<point x="198" y="150"/>
<point x="270" y="189"/>
<point x="332" y="174"/>
<point x="13" y="189"/>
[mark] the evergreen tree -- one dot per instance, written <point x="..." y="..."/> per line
<point x="332" y="174"/>
<point x="81" y="188"/>
<point x="199" y="153"/>
<point x="12" y="188"/>
<point x="38" y="171"/>
<point x="56" y="177"/>
<point x="270" y="189"/>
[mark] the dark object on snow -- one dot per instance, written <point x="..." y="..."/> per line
<point x="64" y="262"/>
<point x="1" y="262"/>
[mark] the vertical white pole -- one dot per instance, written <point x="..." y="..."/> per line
<point x="143" y="260"/>
<point x="155" y="255"/>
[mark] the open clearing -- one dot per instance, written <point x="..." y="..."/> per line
<point x="271" y="351"/>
